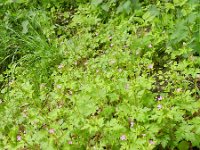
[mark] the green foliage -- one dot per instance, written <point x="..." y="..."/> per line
<point x="99" y="74"/>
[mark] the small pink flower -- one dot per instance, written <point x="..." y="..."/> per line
<point x="70" y="142"/>
<point x="112" y="62"/>
<point x="51" y="131"/>
<point x="19" y="138"/>
<point x="60" y="66"/>
<point x="42" y="85"/>
<point x="24" y="114"/>
<point x="143" y="135"/>
<point x="178" y="90"/>
<point x="151" y="142"/>
<point x="70" y="92"/>
<point x="159" y="106"/>
<point x="119" y="70"/>
<point x="59" y="87"/>
<point x="123" y="137"/>
<point x="11" y="82"/>
<point x="150" y="46"/>
<point x="159" y="98"/>
<point x="132" y="124"/>
<point x="137" y="52"/>
<point x="150" y="66"/>
<point x="127" y="86"/>
<point x="85" y="63"/>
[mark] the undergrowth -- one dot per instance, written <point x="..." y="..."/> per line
<point x="117" y="74"/>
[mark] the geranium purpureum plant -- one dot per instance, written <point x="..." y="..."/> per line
<point x="97" y="74"/>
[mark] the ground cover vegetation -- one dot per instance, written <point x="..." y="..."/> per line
<point x="100" y="74"/>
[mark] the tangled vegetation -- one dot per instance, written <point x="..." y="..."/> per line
<point x="100" y="74"/>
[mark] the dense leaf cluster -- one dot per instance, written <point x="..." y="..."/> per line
<point x="100" y="74"/>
